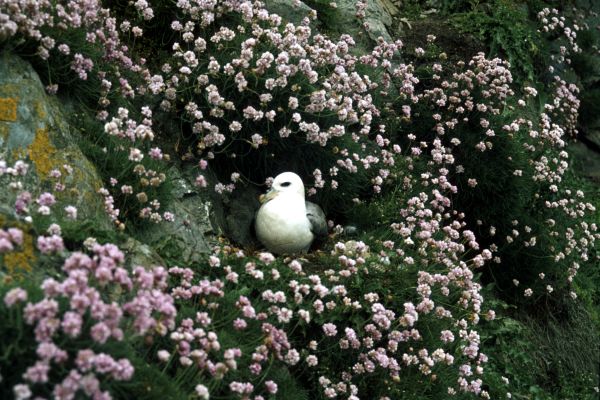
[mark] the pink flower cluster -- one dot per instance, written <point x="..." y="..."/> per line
<point x="291" y="58"/>
<point x="31" y="19"/>
<point x="88" y="314"/>
<point x="10" y="238"/>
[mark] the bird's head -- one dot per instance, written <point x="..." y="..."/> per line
<point x="285" y="183"/>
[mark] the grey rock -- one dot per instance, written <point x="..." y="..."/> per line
<point x="33" y="128"/>
<point x="138" y="253"/>
<point x="288" y="10"/>
<point x="377" y="18"/>
<point x="233" y="215"/>
<point x="188" y="238"/>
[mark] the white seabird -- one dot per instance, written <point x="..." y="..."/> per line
<point x="286" y="223"/>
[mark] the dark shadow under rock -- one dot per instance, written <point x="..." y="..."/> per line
<point x="457" y="45"/>
<point x="233" y="215"/>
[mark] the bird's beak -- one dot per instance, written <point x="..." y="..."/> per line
<point x="270" y="195"/>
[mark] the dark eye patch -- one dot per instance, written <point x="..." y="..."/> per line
<point x="286" y="184"/>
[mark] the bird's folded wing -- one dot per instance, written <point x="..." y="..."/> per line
<point x="316" y="216"/>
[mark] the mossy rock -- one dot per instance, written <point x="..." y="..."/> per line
<point x="186" y="240"/>
<point x="137" y="253"/>
<point x="293" y="13"/>
<point x="341" y="19"/>
<point x="33" y="128"/>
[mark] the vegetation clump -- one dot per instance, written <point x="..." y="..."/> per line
<point x="455" y="172"/>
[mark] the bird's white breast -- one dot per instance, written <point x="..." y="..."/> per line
<point x="282" y="225"/>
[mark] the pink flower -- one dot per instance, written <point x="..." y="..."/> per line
<point x="330" y="329"/>
<point x="202" y="392"/>
<point x="5" y="245"/>
<point x="123" y="370"/>
<point x="214" y="261"/>
<point x="38" y="373"/>
<point x="271" y="387"/>
<point x="22" y="392"/>
<point x="71" y="212"/>
<point x="312" y="360"/>
<point x="72" y="323"/>
<point x="266" y="258"/>
<point x="135" y="154"/>
<point x="163" y="355"/>
<point x="100" y="332"/>
<point x="239" y="324"/>
<point x="241" y="388"/>
<point x="155" y="153"/>
<point x="16" y="295"/>
<point x="50" y="244"/>
<point x="201" y="181"/>
<point x="46" y="199"/>
<point x="16" y="236"/>
<point x="447" y="336"/>
<point x="257" y="140"/>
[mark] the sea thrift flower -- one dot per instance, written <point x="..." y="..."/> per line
<point x="71" y="212"/>
<point x="202" y="392"/>
<point x="46" y="199"/>
<point x="271" y="387"/>
<point x="21" y="392"/>
<point x="163" y="355"/>
<point x="50" y="244"/>
<point x="14" y="296"/>
<point x="266" y="258"/>
<point x="329" y="329"/>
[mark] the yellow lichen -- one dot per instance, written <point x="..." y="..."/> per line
<point x="19" y="262"/>
<point x="41" y="152"/>
<point x="8" y="109"/>
<point x="40" y="110"/>
<point x="4" y="132"/>
<point x="19" y="154"/>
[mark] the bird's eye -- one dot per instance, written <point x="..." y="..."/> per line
<point x="286" y="184"/>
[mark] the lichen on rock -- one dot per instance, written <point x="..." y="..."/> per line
<point x="8" y="109"/>
<point x="33" y="128"/>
